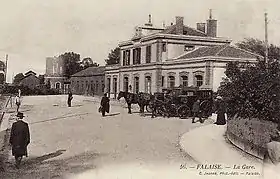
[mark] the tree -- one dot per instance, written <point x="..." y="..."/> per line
<point x="18" y="78"/>
<point x="113" y="57"/>
<point x="42" y="79"/>
<point x="87" y="62"/>
<point x="257" y="46"/>
<point x="72" y="63"/>
<point x="253" y="91"/>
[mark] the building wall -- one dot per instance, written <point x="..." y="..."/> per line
<point x="91" y="85"/>
<point x="218" y="74"/>
<point x="30" y="81"/>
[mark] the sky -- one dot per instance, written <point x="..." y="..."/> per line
<point x="32" y="30"/>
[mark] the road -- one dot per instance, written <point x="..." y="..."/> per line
<point x="77" y="142"/>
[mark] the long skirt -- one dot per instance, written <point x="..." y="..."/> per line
<point x="221" y="119"/>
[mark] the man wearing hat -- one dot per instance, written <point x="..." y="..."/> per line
<point x="19" y="138"/>
<point x="105" y="104"/>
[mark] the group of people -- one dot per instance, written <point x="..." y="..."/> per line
<point x="219" y="108"/>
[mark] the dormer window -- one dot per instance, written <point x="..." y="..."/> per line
<point x="189" y="47"/>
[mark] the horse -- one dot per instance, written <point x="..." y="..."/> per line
<point x="130" y="98"/>
<point x="142" y="99"/>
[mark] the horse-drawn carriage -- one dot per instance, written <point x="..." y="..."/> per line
<point x="178" y="102"/>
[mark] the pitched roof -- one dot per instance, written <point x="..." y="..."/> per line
<point x="30" y="72"/>
<point x="90" y="71"/>
<point x="218" y="51"/>
<point x="187" y="31"/>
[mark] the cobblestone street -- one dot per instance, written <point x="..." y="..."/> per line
<point x="77" y="142"/>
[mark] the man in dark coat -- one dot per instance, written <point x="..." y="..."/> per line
<point x="70" y="97"/>
<point x="196" y="111"/>
<point x="105" y="104"/>
<point x="19" y="138"/>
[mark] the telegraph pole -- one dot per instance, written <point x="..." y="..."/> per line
<point x="6" y="68"/>
<point x="266" y="39"/>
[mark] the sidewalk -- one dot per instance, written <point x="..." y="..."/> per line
<point x="208" y="145"/>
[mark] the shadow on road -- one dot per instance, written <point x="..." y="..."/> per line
<point x="43" y="158"/>
<point x="58" y="118"/>
<point x="114" y="114"/>
<point x="40" y="168"/>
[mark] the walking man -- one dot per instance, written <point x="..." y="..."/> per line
<point x="70" y="97"/>
<point x="19" y="139"/>
<point x="196" y="111"/>
<point x="18" y="102"/>
<point x="105" y="104"/>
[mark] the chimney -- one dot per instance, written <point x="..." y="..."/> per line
<point x="179" y="25"/>
<point x="211" y="26"/>
<point x="150" y="21"/>
<point x="201" y="27"/>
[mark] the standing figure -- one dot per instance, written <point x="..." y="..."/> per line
<point x="70" y="97"/>
<point x="18" y="102"/>
<point x="196" y="111"/>
<point x="105" y="104"/>
<point x="19" y="139"/>
<point x="221" y="110"/>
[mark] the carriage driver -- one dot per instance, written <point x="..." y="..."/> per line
<point x="196" y="111"/>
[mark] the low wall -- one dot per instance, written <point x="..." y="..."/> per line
<point x="246" y="145"/>
<point x="250" y="135"/>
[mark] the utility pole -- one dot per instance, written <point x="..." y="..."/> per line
<point x="6" y="68"/>
<point x="266" y="39"/>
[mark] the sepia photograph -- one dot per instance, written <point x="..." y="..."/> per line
<point x="139" y="89"/>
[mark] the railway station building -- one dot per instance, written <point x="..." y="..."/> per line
<point x="176" y="55"/>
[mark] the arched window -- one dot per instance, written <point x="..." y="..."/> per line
<point x="148" y="84"/>
<point x="199" y="80"/>
<point x="125" y="83"/>
<point x="136" y="84"/>
<point x="184" y="81"/>
<point x="171" y="81"/>
<point x="57" y="85"/>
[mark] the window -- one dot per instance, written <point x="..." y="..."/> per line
<point x="184" y="81"/>
<point x="57" y="85"/>
<point x="189" y="47"/>
<point x="148" y="54"/>
<point x="137" y="56"/>
<point x="82" y="85"/>
<point x="125" y="84"/>
<point x="164" y="47"/>
<point x="136" y="84"/>
<point x="148" y="84"/>
<point x="109" y="85"/>
<point x="171" y="81"/>
<point x="199" y="80"/>
<point x="97" y="85"/>
<point x="115" y="83"/>
<point x="78" y="85"/>
<point x="162" y="81"/>
<point x="126" y="57"/>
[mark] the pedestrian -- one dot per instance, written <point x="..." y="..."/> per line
<point x="70" y="97"/>
<point x="105" y="104"/>
<point x="17" y="101"/>
<point x="19" y="139"/>
<point x="220" y="110"/>
<point x="196" y="111"/>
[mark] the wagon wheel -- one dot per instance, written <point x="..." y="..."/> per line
<point x="149" y="108"/>
<point x="205" y="107"/>
<point x="183" y="111"/>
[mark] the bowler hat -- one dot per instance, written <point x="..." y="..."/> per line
<point x="20" y="115"/>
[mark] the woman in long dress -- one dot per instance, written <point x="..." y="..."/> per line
<point x="221" y="110"/>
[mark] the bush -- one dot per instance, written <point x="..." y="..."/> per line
<point x="26" y="91"/>
<point x="252" y="91"/>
